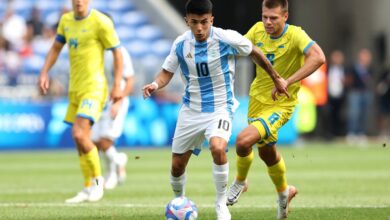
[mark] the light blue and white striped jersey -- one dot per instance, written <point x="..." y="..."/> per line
<point x="208" y="68"/>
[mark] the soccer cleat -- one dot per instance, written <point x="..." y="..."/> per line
<point x="111" y="181"/>
<point x="121" y="161"/>
<point x="96" y="192"/>
<point x="222" y="212"/>
<point x="235" y="191"/>
<point x="82" y="196"/>
<point x="284" y="202"/>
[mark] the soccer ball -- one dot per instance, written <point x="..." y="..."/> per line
<point x="181" y="208"/>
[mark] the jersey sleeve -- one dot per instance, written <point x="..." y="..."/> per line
<point x="171" y="62"/>
<point x="107" y="34"/>
<point x="60" y="31"/>
<point x="241" y="44"/>
<point x="303" y="41"/>
<point x="128" y="69"/>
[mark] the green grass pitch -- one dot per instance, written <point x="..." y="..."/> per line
<point x="334" y="182"/>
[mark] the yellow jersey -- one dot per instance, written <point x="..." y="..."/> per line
<point x="286" y="54"/>
<point x="87" y="38"/>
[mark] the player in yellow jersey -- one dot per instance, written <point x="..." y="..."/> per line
<point x="88" y="33"/>
<point x="294" y="55"/>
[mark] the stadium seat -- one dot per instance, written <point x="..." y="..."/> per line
<point x="134" y="18"/>
<point x="149" y="32"/>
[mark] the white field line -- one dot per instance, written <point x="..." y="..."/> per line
<point x="129" y="205"/>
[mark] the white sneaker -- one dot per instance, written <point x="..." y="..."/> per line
<point x="235" y="191"/>
<point x="111" y="181"/>
<point x="222" y="212"/>
<point x="96" y="192"/>
<point x="121" y="161"/>
<point x="284" y="202"/>
<point x="81" y="196"/>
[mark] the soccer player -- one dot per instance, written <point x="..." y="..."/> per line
<point x="87" y="33"/>
<point x="206" y="56"/>
<point x="110" y="126"/>
<point x="295" y="56"/>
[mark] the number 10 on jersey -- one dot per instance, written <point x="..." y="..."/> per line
<point x="202" y="69"/>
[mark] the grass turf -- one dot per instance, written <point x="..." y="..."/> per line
<point x="334" y="182"/>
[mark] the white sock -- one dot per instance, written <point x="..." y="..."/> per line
<point x="110" y="156"/>
<point x="221" y="175"/>
<point x="178" y="184"/>
<point x="284" y="194"/>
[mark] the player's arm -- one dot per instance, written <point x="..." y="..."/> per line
<point x="280" y="83"/>
<point x="314" y="58"/>
<point x="116" y="92"/>
<point x="161" y="81"/>
<point x="51" y="58"/>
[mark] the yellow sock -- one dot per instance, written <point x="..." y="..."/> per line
<point x="243" y="165"/>
<point x="277" y="173"/>
<point x="86" y="171"/>
<point x="93" y="161"/>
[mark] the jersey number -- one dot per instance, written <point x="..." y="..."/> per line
<point x="273" y="118"/>
<point x="202" y="69"/>
<point x="271" y="57"/>
<point x="225" y="125"/>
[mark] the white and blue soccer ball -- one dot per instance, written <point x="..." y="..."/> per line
<point x="181" y="208"/>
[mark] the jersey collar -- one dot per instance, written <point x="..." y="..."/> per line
<point x="284" y="31"/>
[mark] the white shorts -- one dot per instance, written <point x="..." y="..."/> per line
<point x="194" y="127"/>
<point x="108" y="127"/>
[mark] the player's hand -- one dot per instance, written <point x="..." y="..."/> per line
<point x="148" y="89"/>
<point x="43" y="83"/>
<point x="280" y="88"/>
<point x="115" y="109"/>
<point x="116" y="94"/>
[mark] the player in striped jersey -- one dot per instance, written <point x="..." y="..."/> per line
<point x="206" y="56"/>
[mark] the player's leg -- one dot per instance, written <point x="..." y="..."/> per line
<point x="89" y="110"/>
<point x="272" y="119"/>
<point x="218" y="133"/>
<point x="81" y="132"/>
<point x="188" y="135"/>
<point x="277" y="173"/>
<point x="244" y="157"/>
<point x="83" y="195"/>
<point x="178" y="175"/>
<point x="220" y="175"/>
<point x="109" y="153"/>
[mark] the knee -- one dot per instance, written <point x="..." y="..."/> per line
<point x="243" y="145"/>
<point x="78" y="135"/>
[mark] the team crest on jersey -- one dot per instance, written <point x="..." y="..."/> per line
<point x="73" y="42"/>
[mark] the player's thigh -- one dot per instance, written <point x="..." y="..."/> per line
<point x="189" y="132"/>
<point x="71" y="111"/>
<point x="268" y="121"/>
<point x="91" y="105"/>
<point x="220" y="127"/>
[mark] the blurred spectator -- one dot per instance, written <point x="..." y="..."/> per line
<point x="317" y="84"/>
<point x="359" y="97"/>
<point x="9" y="62"/>
<point x="35" y="25"/>
<point x="14" y="28"/>
<point x="336" y="92"/>
<point x="383" y="90"/>
<point x="41" y="44"/>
